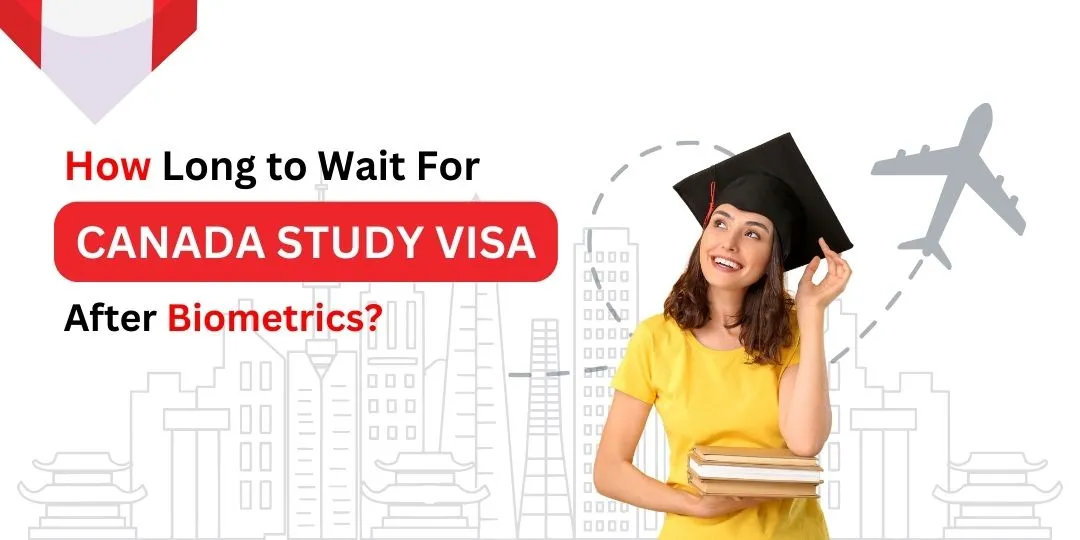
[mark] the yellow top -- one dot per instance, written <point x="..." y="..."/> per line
<point x="711" y="397"/>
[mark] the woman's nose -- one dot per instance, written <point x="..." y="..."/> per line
<point x="729" y="241"/>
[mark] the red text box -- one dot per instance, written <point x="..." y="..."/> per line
<point x="476" y="241"/>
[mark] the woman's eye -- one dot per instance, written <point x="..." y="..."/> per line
<point x="752" y="234"/>
<point x="719" y="223"/>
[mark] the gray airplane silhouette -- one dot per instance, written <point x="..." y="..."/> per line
<point x="963" y="166"/>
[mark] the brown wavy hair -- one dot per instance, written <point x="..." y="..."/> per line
<point x="764" y="317"/>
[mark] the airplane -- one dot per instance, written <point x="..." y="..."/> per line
<point x="963" y="166"/>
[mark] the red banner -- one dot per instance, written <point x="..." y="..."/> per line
<point x="476" y="241"/>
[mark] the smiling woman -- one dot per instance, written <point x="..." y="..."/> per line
<point x="736" y="250"/>
<point x="734" y="360"/>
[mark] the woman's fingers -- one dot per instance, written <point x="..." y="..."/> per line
<point x="837" y="265"/>
<point x="831" y="255"/>
<point x="844" y="266"/>
<point x="824" y="247"/>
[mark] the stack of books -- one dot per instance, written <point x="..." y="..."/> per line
<point x="753" y="472"/>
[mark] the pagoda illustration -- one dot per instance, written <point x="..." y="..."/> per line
<point x="997" y="498"/>
<point x="82" y="501"/>
<point x="425" y="501"/>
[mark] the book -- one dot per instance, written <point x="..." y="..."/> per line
<point x="752" y="456"/>
<point x="753" y="472"/>
<point x="749" y="473"/>
<point x="754" y="488"/>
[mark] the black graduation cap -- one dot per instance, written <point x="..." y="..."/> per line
<point x="773" y="180"/>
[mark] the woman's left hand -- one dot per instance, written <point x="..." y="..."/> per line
<point x="818" y="297"/>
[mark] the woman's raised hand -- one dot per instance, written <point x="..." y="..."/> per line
<point x="818" y="297"/>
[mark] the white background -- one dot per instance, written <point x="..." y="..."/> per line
<point x="554" y="98"/>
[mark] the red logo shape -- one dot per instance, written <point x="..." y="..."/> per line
<point x="97" y="51"/>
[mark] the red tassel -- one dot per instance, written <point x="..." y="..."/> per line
<point x="712" y="202"/>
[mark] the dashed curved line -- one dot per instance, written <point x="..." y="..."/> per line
<point x="888" y="306"/>
<point x="600" y="197"/>
<point x="625" y="166"/>
<point x="596" y="204"/>
<point x="868" y="329"/>
<point x="611" y="310"/>
<point x="620" y="171"/>
<point x="840" y="355"/>
<point x="915" y="270"/>
<point x="895" y="297"/>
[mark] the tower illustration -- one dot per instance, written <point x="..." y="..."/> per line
<point x="606" y="283"/>
<point x="475" y="426"/>
<point x="249" y="384"/>
<point x="322" y="431"/>
<point x="545" y="496"/>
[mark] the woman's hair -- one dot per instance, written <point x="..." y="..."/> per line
<point x="764" y="316"/>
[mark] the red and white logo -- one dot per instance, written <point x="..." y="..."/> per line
<point x="97" y="51"/>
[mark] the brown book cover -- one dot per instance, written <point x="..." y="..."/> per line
<point x="754" y="488"/>
<point x="781" y="457"/>
<point x="774" y="464"/>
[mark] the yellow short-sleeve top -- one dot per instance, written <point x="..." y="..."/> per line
<point x="710" y="397"/>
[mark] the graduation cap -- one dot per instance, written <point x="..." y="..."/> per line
<point x="773" y="180"/>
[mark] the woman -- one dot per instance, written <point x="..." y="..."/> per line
<point x="733" y="360"/>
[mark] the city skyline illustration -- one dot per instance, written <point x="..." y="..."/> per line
<point x="331" y="439"/>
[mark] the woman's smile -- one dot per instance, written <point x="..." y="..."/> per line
<point x="726" y="264"/>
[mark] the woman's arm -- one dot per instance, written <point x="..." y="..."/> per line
<point x="614" y="473"/>
<point x="616" y="477"/>
<point x="805" y="410"/>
